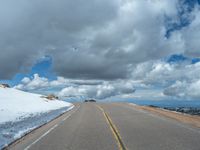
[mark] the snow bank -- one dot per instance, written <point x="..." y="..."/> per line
<point x="21" y="112"/>
<point x="15" y="104"/>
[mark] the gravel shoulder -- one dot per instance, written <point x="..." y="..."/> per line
<point x="184" y="118"/>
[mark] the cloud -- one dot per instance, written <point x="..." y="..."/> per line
<point x="163" y="73"/>
<point x="31" y="84"/>
<point x="35" y="28"/>
<point x="77" y="88"/>
<point x="101" y="48"/>
<point x="145" y="94"/>
<point x="155" y="73"/>
<point x="37" y="82"/>
<point x="184" y="89"/>
<point x="168" y="80"/>
<point x="113" y="49"/>
<point x="102" y="91"/>
<point x="94" y="39"/>
<point x="189" y="34"/>
<point x="177" y="80"/>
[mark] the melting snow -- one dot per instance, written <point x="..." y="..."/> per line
<point x="21" y="112"/>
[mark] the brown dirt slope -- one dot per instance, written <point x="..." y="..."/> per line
<point x="185" y="118"/>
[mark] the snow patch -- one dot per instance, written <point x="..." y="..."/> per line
<point x="21" y="112"/>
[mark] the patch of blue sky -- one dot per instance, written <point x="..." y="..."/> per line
<point x="183" y="20"/>
<point x="180" y="58"/>
<point x="175" y="58"/>
<point x="195" y="60"/>
<point x="43" y="67"/>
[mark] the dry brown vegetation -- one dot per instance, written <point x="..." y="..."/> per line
<point x="50" y="97"/>
<point x="4" y="85"/>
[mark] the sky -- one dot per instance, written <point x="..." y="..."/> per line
<point x="102" y="49"/>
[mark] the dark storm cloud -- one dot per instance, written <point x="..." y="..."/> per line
<point x="30" y="29"/>
<point x="93" y="39"/>
<point x="87" y="65"/>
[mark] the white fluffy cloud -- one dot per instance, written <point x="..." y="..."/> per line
<point x="162" y="72"/>
<point x="102" y="91"/>
<point x="179" y="80"/>
<point x="78" y="88"/>
<point x="37" y="83"/>
<point x="184" y="89"/>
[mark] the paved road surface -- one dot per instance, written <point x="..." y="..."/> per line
<point x="110" y="126"/>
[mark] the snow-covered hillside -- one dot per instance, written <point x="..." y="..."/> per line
<point x="22" y="111"/>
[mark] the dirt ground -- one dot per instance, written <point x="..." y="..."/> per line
<point x="185" y="118"/>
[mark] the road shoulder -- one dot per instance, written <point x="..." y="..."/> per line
<point x="32" y="136"/>
<point x="180" y="117"/>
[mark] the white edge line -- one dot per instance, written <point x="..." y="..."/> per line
<point x="70" y="114"/>
<point x="48" y="131"/>
<point x="43" y="135"/>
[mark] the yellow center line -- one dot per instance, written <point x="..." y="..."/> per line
<point x="114" y="130"/>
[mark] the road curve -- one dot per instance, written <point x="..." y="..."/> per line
<point x="96" y="126"/>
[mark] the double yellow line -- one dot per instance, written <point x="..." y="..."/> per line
<point x="114" y="130"/>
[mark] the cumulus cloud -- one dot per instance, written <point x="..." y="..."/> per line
<point x="32" y="29"/>
<point x="163" y="73"/>
<point x="77" y="88"/>
<point x="191" y="33"/>
<point x="184" y="89"/>
<point x="36" y="83"/>
<point x="102" y="48"/>
<point x="102" y="91"/>
<point x="92" y="40"/>
<point x="180" y="80"/>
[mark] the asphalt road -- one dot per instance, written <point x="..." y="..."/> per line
<point x="111" y="126"/>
